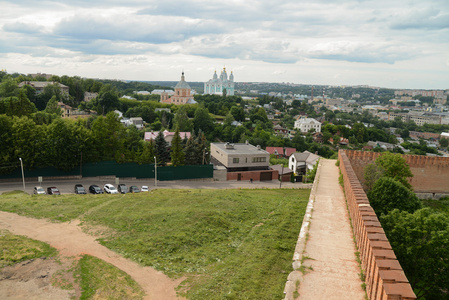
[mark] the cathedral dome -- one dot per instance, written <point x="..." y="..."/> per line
<point x="182" y="84"/>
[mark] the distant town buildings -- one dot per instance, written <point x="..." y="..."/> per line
<point x="216" y="85"/>
<point x="182" y="94"/>
<point x="39" y="86"/>
<point x="306" y="124"/>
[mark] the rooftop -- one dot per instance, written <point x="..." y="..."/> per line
<point x="241" y="148"/>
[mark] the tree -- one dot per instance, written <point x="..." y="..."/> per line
<point x="421" y="244"/>
<point x="161" y="150"/>
<point x="371" y="174"/>
<point x="182" y="121"/>
<point x="52" y="107"/>
<point x="108" y="99"/>
<point x="203" y="120"/>
<point x="177" y="154"/>
<point x="147" y="155"/>
<point x="238" y="113"/>
<point x="444" y="142"/>
<point x="189" y="152"/>
<point x="395" y="167"/>
<point x="388" y="194"/>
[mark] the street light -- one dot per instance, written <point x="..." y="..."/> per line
<point x="23" y="177"/>
<point x="155" y="172"/>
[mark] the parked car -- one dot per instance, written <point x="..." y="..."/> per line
<point x="144" y="188"/>
<point x="95" y="189"/>
<point x="79" y="189"/>
<point x="51" y="190"/>
<point x="110" y="189"/>
<point x="122" y="188"/>
<point x="134" y="189"/>
<point x="38" y="190"/>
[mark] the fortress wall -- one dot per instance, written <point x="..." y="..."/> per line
<point x="431" y="174"/>
<point x="384" y="276"/>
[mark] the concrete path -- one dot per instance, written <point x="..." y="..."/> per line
<point x="330" y="246"/>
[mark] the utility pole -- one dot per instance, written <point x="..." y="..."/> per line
<point x="23" y="177"/>
<point x="155" y="172"/>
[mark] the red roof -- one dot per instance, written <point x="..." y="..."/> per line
<point x="280" y="150"/>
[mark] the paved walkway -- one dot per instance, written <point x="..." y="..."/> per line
<point x="330" y="245"/>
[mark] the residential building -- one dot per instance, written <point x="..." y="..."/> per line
<point x="240" y="157"/>
<point x="39" y="86"/>
<point x="182" y="94"/>
<point x="66" y="109"/>
<point x="137" y="121"/>
<point x="419" y="118"/>
<point x="306" y="124"/>
<point x="89" y="96"/>
<point x="168" y="136"/>
<point x="301" y="162"/>
<point x="216" y="85"/>
<point x="281" y="151"/>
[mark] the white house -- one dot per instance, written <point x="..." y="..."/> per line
<point x="306" y="124"/>
<point x="301" y="162"/>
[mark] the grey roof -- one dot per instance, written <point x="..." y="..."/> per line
<point x="182" y="84"/>
<point x="282" y="171"/>
<point x="241" y="148"/>
<point x="306" y="156"/>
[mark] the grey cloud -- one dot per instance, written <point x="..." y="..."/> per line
<point x="153" y="30"/>
<point x="21" y="27"/>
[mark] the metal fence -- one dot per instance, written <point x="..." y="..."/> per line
<point x="112" y="168"/>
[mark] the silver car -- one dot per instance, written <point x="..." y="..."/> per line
<point x="38" y="190"/>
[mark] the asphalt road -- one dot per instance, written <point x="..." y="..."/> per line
<point x="66" y="186"/>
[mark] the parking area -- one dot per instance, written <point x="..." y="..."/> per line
<point x="66" y="186"/>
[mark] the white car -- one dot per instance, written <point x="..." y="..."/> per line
<point x="110" y="189"/>
<point x="144" y="188"/>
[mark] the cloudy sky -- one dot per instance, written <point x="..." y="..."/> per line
<point x="387" y="43"/>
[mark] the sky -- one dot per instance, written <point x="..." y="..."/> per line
<point x="384" y="43"/>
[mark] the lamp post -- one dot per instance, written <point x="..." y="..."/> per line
<point x="23" y="177"/>
<point x="155" y="172"/>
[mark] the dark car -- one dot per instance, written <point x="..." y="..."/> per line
<point x="122" y="188"/>
<point x="79" y="189"/>
<point x="134" y="189"/>
<point x="53" y="191"/>
<point x="95" y="189"/>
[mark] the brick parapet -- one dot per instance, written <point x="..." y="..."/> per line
<point x="431" y="174"/>
<point x="384" y="277"/>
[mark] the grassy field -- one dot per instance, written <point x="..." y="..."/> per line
<point x="98" y="279"/>
<point x="16" y="248"/>
<point x="230" y="244"/>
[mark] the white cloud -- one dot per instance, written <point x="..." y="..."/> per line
<point x="338" y="41"/>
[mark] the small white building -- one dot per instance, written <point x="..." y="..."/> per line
<point x="301" y="162"/>
<point x="306" y="124"/>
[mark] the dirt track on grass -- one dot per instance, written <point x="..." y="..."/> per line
<point x="70" y="240"/>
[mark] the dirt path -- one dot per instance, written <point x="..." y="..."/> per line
<point x="69" y="239"/>
<point x="330" y="247"/>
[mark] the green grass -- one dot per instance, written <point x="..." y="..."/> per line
<point x="57" y="208"/>
<point x="230" y="244"/>
<point x="15" y="248"/>
<point x="101" y="280"/>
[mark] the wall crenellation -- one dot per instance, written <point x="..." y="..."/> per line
<point x="431" y="174"/>
<point x="384" y="277"/>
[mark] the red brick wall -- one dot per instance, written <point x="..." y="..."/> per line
<point x="384" y="276"/>
<point x="255" y="175"/>
<point x="431" y="174"/>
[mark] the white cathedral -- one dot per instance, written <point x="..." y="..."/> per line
<point x="217" y="85"/>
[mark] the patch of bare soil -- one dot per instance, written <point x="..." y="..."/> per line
<point x="71" y="241"/>
<point x="42" y="278"/>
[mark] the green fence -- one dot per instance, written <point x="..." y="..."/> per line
<point x="112" y="168"/>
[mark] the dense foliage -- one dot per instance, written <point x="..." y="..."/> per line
<point x="418" y="236"/>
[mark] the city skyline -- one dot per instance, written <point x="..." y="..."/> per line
<point x="402" y="44"/>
